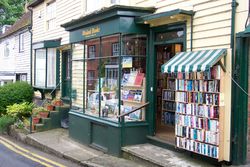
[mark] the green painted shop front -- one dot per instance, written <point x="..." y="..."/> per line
<point x="98" y="132"/>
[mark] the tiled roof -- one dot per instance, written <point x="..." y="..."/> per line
<point x="35" y="3"/>
<point x="23" y="22"/>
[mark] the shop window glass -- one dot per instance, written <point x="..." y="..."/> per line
<point x="40" y="67"/>
<point x="109" y="69"/>
<point x="102" y="76"/>
<point x="170" y="35"/>
<point x="92" y="77"/>
<point x="134" y="45"/>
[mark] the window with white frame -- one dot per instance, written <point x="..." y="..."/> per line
<point x="21" y="42"/>
<point x="40" y="67"/>
<point x="51" y="15"/>
<point x="115" y="49"/>
<point x="45" y="66"/>
<point x="6" y="49"/>
<point x="92" y="51"/>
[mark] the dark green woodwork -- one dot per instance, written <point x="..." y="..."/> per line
<point x="47" y="44"/>
<point x="107" y="13"/>
<point x="57" y="66"/>
<point x="151" y="69"/>
<point x="142" y="19"/>
<point x="105" y="135"/>
<point x="66" y="84"/>
<point x="124" y="25"/>
<point x="102" y="23"/>
<point x="240" y="102"/>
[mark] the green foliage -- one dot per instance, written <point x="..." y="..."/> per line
<point x="15" y="93"/>
<point x="11" y="10"/>
<point x="20" y="111"/>
<point x="37" y="110"/>
<point x="5" y="122"/>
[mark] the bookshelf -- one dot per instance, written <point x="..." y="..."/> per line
<point x="134" y="96"/>
<point x="198" y="115"/>
<point x="168" y="102"/>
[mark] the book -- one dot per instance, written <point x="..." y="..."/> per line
<point x="139" y="79"/>
<point x="125" y="79"/>
<point x="131" y="79"/>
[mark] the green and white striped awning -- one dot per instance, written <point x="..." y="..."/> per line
<point x="193" y="61"/>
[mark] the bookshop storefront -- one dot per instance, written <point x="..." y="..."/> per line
<point x="131" y="65"/>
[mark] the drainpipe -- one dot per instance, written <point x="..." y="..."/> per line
<point x="31" y="48"/>
<point x="191" y="33"/>
<point x="232" y="46"/>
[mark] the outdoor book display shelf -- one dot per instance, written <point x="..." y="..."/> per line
<point x="198" y="113"/>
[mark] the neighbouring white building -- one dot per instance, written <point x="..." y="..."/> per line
<point x="15" y="52"/>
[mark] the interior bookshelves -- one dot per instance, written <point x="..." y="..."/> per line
<point x="194" y="100"/>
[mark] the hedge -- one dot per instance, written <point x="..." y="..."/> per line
<point x="15" y="93"/>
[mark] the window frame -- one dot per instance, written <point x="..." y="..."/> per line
<point x="46" y="68"/>
<point x="51" y="17"/>
<point x="21" y="42"/>
<point x="6" y="49"/>
<point x="115" y="46"/>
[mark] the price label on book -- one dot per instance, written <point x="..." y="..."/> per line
<point x="222" y="99"/>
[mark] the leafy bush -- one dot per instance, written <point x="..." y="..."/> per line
<point x="20" y="111"/>
<point x="14" y="93"/>
<point x="5" y="122"/>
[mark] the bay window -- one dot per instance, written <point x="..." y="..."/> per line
<point x="45" y="68"/>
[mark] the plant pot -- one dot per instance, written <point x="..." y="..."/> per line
<point x="44" y="114"/>
<point x="50" y="107"/>
<point x="58" y="103"/>
<point x="35" y="120"/>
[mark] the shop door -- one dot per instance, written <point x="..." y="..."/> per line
<point x="66" y="74"/>
<point x="165" y="110"/>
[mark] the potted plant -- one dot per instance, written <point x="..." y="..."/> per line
<point x="35" y="116"/>
<point x="49" y="106"/>
<point x="57" y="102"/>
<point x="43" y="113"/>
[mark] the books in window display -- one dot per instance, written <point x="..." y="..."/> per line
<point x="132" y="95"/>
<point x="135" y="115"/>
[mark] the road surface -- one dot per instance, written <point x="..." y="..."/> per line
<point x="17" y="154"/>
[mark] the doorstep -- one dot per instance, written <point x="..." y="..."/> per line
<point x="151" y="155"/>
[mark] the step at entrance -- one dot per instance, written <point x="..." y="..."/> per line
<point x="154" y="156"/>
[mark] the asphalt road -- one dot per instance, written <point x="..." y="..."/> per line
<point x="17" y="154"/>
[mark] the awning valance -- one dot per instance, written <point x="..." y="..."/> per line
<point x="193" y="61"/>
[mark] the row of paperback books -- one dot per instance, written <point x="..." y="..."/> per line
<point x="171" y="84"/>
<point x="197" y="122"/>
<point x="168" y="95"/>
<point x="168" y="118"/>
<point x="213" y="73"/>
<point x="197" y="97"/>
<point x="197" y="134"/>
<point x="198" y="147"/>
<point x="198" y="85"/>
<point x="167" y="105"/>
<point x="132" y="95"/>
<point x="198" y="110"/>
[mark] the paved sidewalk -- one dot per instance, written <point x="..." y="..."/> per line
<point x="57" y="141"/>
